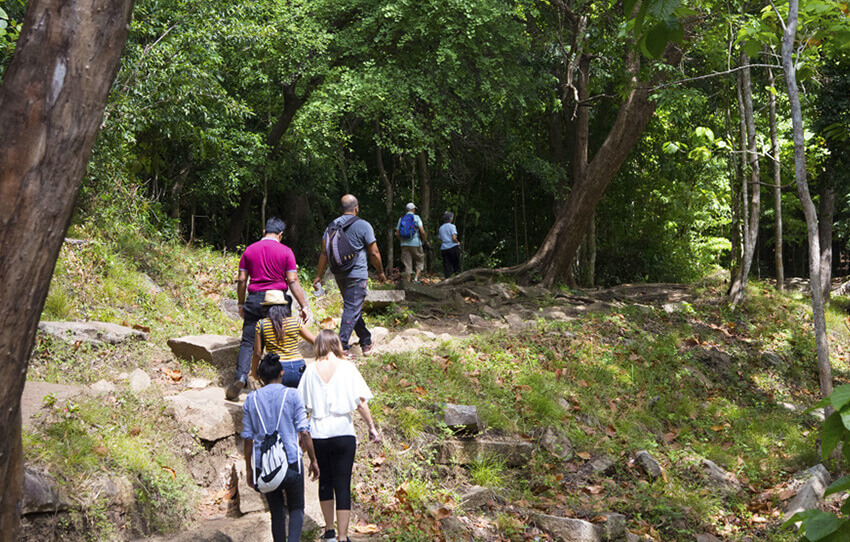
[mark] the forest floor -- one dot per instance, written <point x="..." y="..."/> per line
<point x="668" y="369"/>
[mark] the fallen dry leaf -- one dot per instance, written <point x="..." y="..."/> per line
<point x="369" y="528"/>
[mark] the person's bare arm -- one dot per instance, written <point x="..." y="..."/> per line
<point x="423" y="235"/>
<point x="241" y="288"/>
<point x="295" y="287"/>
<point x="307" y="335"/>
<point x="323" y="264"/>
<point x="258" y="352"/>
<point x="454" y="238"/>
<point x="363" y="409"/>
<point x="375" y="259"/>
<point x="306" y="442"/>
<point x="249" y="468"/>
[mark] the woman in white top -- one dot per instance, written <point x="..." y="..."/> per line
<point x="332" y="389"/>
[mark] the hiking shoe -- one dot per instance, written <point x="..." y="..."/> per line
<point x="367" y="350"/>
<point x="349" y="355"/>
<point x="234" y="390"/>
<point x="329" y="536"/>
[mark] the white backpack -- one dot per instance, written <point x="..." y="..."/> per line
<point x="273" y="461"/>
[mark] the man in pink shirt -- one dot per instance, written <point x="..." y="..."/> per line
<point x="270" y="265"/>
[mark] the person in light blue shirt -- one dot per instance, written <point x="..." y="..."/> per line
<point x="450" y="247"/>
<point x="411" y="233"/>
<point x="277" y="408"/>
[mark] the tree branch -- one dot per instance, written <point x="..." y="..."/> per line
<point x="714" y="74"/>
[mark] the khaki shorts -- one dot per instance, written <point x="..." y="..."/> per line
<point x="411" y="256"/>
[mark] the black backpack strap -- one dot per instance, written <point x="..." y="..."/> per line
<point x="349" y="222"/>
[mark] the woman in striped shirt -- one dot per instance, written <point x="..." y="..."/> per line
<point x="278" y="334"/>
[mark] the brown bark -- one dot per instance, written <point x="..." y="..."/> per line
<point x="738" y="289"/>
<point x="818" y="316"/>
<point x="735" y="179"/>
<point x="51" y="103"/>
<point x="388" y="188"/>
<point x="777" y="185"/>
<point x="239" y="218"/>
<point x="826" y="214"/>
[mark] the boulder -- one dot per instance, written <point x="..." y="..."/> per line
<point x="139" y="381"/>
<point x="515" y="321"/>
<point x="430" y="335"/>
<point x="92" y="332"/>
<point x="814" y="483"/>
<point x="379" y="334"/>
<point x="532" y="291"/>
<point x="500" y="290"/>
<point x="218" y="350"/>
<point x="556" y="444"/>
<point x="491" y="312"/>
<point x="41" y="494"/>
<point x="719" y="478"/>
<point x="462" y="418"/>
<point x="445" y="337"/>
<point x="411" y="332"/>
<point x="207" y="411"/>
<point x="117" y="489"/>
<point x="230" y="307"/>
<point x="33" y="398"/>
<point x="421" y="290"/>
<point x="649" y="465"/>
<point x="599" y="307"/>
<point x="601" y="465"/>
<point x="613" y="526"/>
<point x="102" y="387"/>
<point x="381" y="299"/>
<point x="554" y="313"/>
<point x="477" y="497"/>
<point x="515" y="453"/>
<point x="477" y="321"/>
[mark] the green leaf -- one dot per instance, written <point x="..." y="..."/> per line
<point x="656" y="40"/>
<point x="705" y="133"/>
<point x="752" y="47"/>
<point x="845" y="416"/>
<point x="800" y="516"/>
<point x="629" y="6"/>
<point x="771" y="89"/>
<point x="3" y="14"/>
<point x="662" y="9"/>
<point x="842" y="484"/>
<point x="831" y="433"/>
<point x="821" y="525"/>
<point x="839" y="397"/>
<point x="670" y="147"/>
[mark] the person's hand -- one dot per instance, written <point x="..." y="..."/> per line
<point x="382" y="277"/>
<point x="242" y="311"/>
<point x="305" y="314"/>
<point x="374" y="435"/>
<point x="313" y="471"/>
<point x="319" y="280"/>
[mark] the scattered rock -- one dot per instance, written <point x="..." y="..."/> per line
<point x="553" y="313"/>
<point x="249" y="500"/>
<point x="198" y="383"/>
<point x="601" y="465"/>
<point x="672" y="308"/>
<point x="206" y="410"/>
<point x="500" y="290"/>
<point x="117" y="489"/>
<point x="92" y="332"/>
<point x="230" y="307"/>
<point x="411" y="332"/>
<point x="599" y="307"/>
<point x="422" y="290"/>
<point x="699" y="376"/>
<point x="462" y="418"/>
<point x="430" y="335"/>
<point x="706" y="537"/>
<point x="568" y="529"/>
<point x="477" y="497"/>
<point x="814" y="483"/>
<point x="218" y="350"/>
<point x="381" y="299"/>
<point x="515" y="321"/>
<point x="719" y="478"/>
<point x="774" y="359"/>
<point x="477" y="321"/>
<point x="491" y="312"/>
<point x="379" y="334"/>
<point x="649" y="465"/>
<point x="613" y="526"/>
<point x="41" y="494"/>
<point x="102" y="387"/>
<point x="556" y="444"/>
<point x="445" y="337"/>
<point x="139" y="381"/>
<point x="454" y="530"/>
<point x="153" y="287"/>
<point x="532" y="291"/>
<point x="515" y="453"/>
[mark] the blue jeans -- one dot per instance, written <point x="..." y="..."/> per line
<point x="292" y="489"/>
<point x="292" y="371"/>
<point x="253" y="314"/>
<point x="353" y="294"/>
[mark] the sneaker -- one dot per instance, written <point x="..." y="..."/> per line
<point x="367" y="350"/>
<point x="234" y="390"/>
<point x="329" y="536"/>
<point x="349" y="355"/>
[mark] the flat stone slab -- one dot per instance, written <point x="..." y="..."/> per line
<point x="92" y="332"/>
<point x="381" y="299"/>
<point x="208" y="412"/>
<point x="219" y="350"/>
<point x="515" y="453"/>
<point x="32" y="399"/>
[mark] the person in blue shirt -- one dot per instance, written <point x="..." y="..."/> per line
<point x="412" y="254"/>
<point x="450" y="246"/>
<point x="274" y="403"/>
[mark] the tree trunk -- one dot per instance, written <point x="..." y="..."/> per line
<point x="738" y="289"/>
<point x="388" y="188"/>
<point x="777" y="185"/>
<point x="826" y="212"/>
<point x="425" y="205"/>
<point x="789" y="35"/>
<point x="51" y="104"/>
<point x="238" y="220"/>
<point x="735" y="180"/>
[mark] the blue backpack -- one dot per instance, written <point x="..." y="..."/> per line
<point x="407" y="227"/>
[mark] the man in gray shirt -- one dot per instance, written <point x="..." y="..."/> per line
<point x="352" y="285"/>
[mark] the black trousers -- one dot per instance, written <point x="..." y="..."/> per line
<point x="451" y="261"/>
<point x="336" y="459"/>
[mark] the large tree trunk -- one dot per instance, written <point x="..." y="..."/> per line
<point x="818" y="316"/>
<point x="425" y="206"/>
<point x="239" y="218"/>
<point x="826" y="212"/>
<point x="738" y="289"/>
<point x="735" y="180"/>
<point x="777" y="185"/>
<point x="388" y="188"/>
<point x="51" y="104"/>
